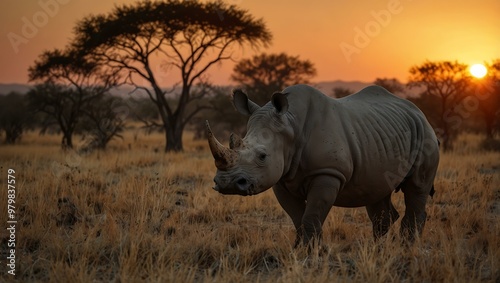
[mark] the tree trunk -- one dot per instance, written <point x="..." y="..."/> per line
<point x="10" y="138"/>
<point x="173" y="135"/>
<point x="446" y="141"/>
<point x="489" y="127"/>
<point x="67" y="140"/>
<point x="12" y="134"/>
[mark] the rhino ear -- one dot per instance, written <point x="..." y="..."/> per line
<point x="243" y="104"/>
<point x="280" y="102"/>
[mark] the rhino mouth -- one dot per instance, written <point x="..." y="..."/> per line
<point x="238" y="186"/>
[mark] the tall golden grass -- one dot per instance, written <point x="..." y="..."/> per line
<point x="134" y="214"/>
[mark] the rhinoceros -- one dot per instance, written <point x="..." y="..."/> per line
<point x="317" y="152"/>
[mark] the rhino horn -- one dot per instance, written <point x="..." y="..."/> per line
<point x="224" y="157"/>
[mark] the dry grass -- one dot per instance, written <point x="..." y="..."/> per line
<point x="135" y="214"/>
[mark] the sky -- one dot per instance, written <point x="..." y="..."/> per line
<point x="351" y="40"/>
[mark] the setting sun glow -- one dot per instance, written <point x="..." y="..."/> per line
<point x="478" y="70"/>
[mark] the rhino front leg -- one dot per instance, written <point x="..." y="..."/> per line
<point x="321" y="194"/>
<point x="293" y="206"/>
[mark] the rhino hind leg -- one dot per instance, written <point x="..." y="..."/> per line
<point x="415" y="196"/>
<point x="383" y="215"/>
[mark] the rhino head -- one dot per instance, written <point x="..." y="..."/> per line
<point x="258" y="161"/>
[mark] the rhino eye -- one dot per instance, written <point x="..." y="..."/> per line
<point x="262" y="156"/>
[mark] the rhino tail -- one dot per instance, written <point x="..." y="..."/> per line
<point x="431" y="193"/>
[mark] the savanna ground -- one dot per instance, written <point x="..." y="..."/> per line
<point x="134" y="214"/>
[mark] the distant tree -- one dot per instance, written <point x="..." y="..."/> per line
<point x="15" y="116"/>
<point x="191" y="36"/>
<point x="430" y="105"/>
<point x="59" y="105"/>
<point x="145" y="111"/>
<point x="392" y="85"/>
<point x="487" y="90"/>
<point x="103" y="120"/>
<point x="69" y="84"/>
<point x="264" y="74"/>
<point x="340" y="92"/>
<point x="221" y="114"/>
<point x="450" y="82"/>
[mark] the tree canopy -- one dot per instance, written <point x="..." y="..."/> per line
<point x="68" y="84"/>
<point x="264" y="74"/>
<point x="190" y="36"/>
<point x="450" y="82"/>
<point x="487" y="90"/>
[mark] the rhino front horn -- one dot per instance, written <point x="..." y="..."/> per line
<point x="224" y="157"/>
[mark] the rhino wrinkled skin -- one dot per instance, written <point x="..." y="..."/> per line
<point x="317" y="152"/>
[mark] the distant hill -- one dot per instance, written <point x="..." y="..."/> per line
<point x="326" y="87"/>
<point x="24" y="88"/>
<point x="20" y="88"/>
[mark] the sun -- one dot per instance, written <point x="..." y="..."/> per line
<point x="478" y="70"/>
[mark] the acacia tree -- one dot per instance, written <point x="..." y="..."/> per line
<point x="68" y="83"/>
<point x="264" y="74"/>
<point x="450" y="82"/>
<point x="58" y="104"/>
<point x="187" y="36"/>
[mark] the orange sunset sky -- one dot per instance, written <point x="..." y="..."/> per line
<point x="345" y="39"/>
